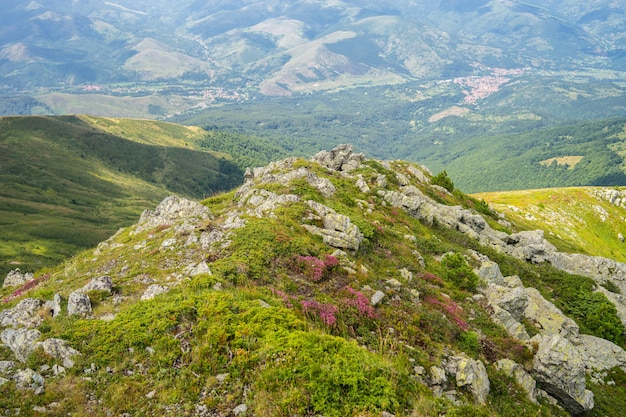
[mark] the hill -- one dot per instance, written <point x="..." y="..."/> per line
<point x="581" y="219"/>
<point x="69" y="182"/>
<point x="333" y="286"/>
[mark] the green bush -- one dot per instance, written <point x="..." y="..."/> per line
<point x="443" y="180"/>
<point x="457" y="271"/>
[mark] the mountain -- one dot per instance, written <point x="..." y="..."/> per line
<point x="338" y="285"/>
<point x="69" y="182"/>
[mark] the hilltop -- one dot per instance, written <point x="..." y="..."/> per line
<point x="333" y="286"/>
<point x="70" y="182"/>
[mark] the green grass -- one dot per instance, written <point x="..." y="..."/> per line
<point x="70" y="182"/>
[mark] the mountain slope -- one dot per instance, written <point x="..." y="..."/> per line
<point x="334" y="286"/>
<point x="68" y="182"/>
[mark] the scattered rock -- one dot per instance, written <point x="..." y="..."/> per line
<point x="201" y="268"/>
<point x="377" y="298"/>
<point x="60" y="350"/>
<point x="103" y="283"/>
<point x="154" y="290"/>
<point x="15" y="278"/>
<point x="338" y="230"/>
<point x="6" y="367"/>
<point x="78" y="303"/>
<point x="240" y="409"/>
<point x="470" y="373"/>
<point x="22" y="342"/>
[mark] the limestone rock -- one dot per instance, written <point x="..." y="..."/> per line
<point x="513" y="327"/>
<point x="173" y="210"/>
<point x="29" y="379"/>
<point x="240" y="409"/>
<point x="201" y="268"/>
<point x="154" y="290"/>
<point x="362" y="185"/>
<point x="54" y="305"/>
<point x="23" y="314"/>
<point x="103" y="283"/>
<point x="438" y="375"/>
<point x="530" y="246"/>
<point x="490" y="272"/>
<point x="550" y="319"/>
<point x="6" y="367"/>
<point x="341" y="158"/>
<point x="472" y="374"/>
<point x="78" y="303"/>
<point x="377" y="298"/>
<point x="338" y="230"/>
<point x="599" y="354"/>
<point x="22" y="341"/>
<point x="559" y="370"/>
<point x="60" y="349"/>
<point x="15" y="278"/>
<point x="513" y="300"/>
<point x="523" y="378"/>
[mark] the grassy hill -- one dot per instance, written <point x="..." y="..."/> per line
<point x="279" y="323"/>
<point x="577" y="219"/>
<point x="69" y="182"/>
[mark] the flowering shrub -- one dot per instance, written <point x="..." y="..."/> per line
<point x="359" y="301"/>
<point x="325" y="311"/>
<point x="27" y="286"/>
<point x="314" y="268"/>
<point x="452" y="310"/>
<point x="286" y="298"/>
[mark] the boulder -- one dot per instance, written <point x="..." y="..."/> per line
<point x="472" y="374"/>
<point x="513" y="327"/>
<point x="530" y="246"/>
<point x="28" y="379"/>
<point x="559" y="369"/>
<point x="513" y="300"/>
<point x="154" y="290"/>
<point x="25" y="313"/>
<point x="489" y="271"/>
<point x="22" y="341"/>
<point x="102" y="283"/>
<point x="15" y="278"/>
<point x="201" y="268"/>
<point x="523" y="378"/>
<point x="377" y="297"/>
<point x="54" y="305"/>
<point x="599" y="354"/>
<point x="60" y="350"/>
<point x="338" y="230"/>
<point x="78" y="303"/>
<point x="173" y="210"/>
<point x="341" y="158"/>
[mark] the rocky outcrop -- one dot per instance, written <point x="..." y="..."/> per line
<point x="60" y="350"/>
<point x="28" y="379"/>
<point x="470" y="373"/>
<point x="341" y="158"/>
<point x="22" y="342"/>
<point x="78" y="303"/>
<point x="549" y="319"/>
<point x="559" y="369"/>
<point x="15" y="278"/>
<point x="337" y="231"/>
<point x="173" y="210"/>
<point x="599" y="354"/>
<point x="25" y="313"/>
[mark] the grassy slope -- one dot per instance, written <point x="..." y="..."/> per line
<point x="70" y="182"/>
<point x="284" y="360"/>
<point x="570" y="216"/>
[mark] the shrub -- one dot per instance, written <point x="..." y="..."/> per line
<point x="443" y="180"/>
<point x="459" y="272"/>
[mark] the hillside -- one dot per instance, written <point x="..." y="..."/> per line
<point x="333" y="286"/>
<point x="70" y="182"/>
<point x="582" y="219"/>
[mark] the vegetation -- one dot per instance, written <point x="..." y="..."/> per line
<point x="70" y="182"/>
<point x="281" y="326"/>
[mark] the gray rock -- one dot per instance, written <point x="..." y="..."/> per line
<point x="60" y="350"/>
<point x="54" y="305"/>
<point x="559" y="369"/>
<point x="338" y="230"/>
<point x="201" y="268"/>
<point x="377" y="298"/>
<point x="513" y="327"/>
<point x="103" y="283"/>
<point x="530" y="246"/>
<point x="29" y="379"/>
<point x="341" y="158"/>
<point x="362" y="185"/>
<point x="550" y="319"/>
<point x="3" y="381"/>
<point x="173" y="210"/>
<point x="513" y="300"/>
<point x="490" y="272"/>
<point x="25" y="313"/>
<point x="6" y="367"/>
<point x="22" y="342"/>
<point x="523" y="378"/>
<point x="154" y="290"/>
<point x="15" y="278"/>
<point x="438" y="375"/>
<point x="599" y="354"/>
<point x="472" y="374"/>
<point x="240" y="409"/>
<point x="78" y="303"/>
